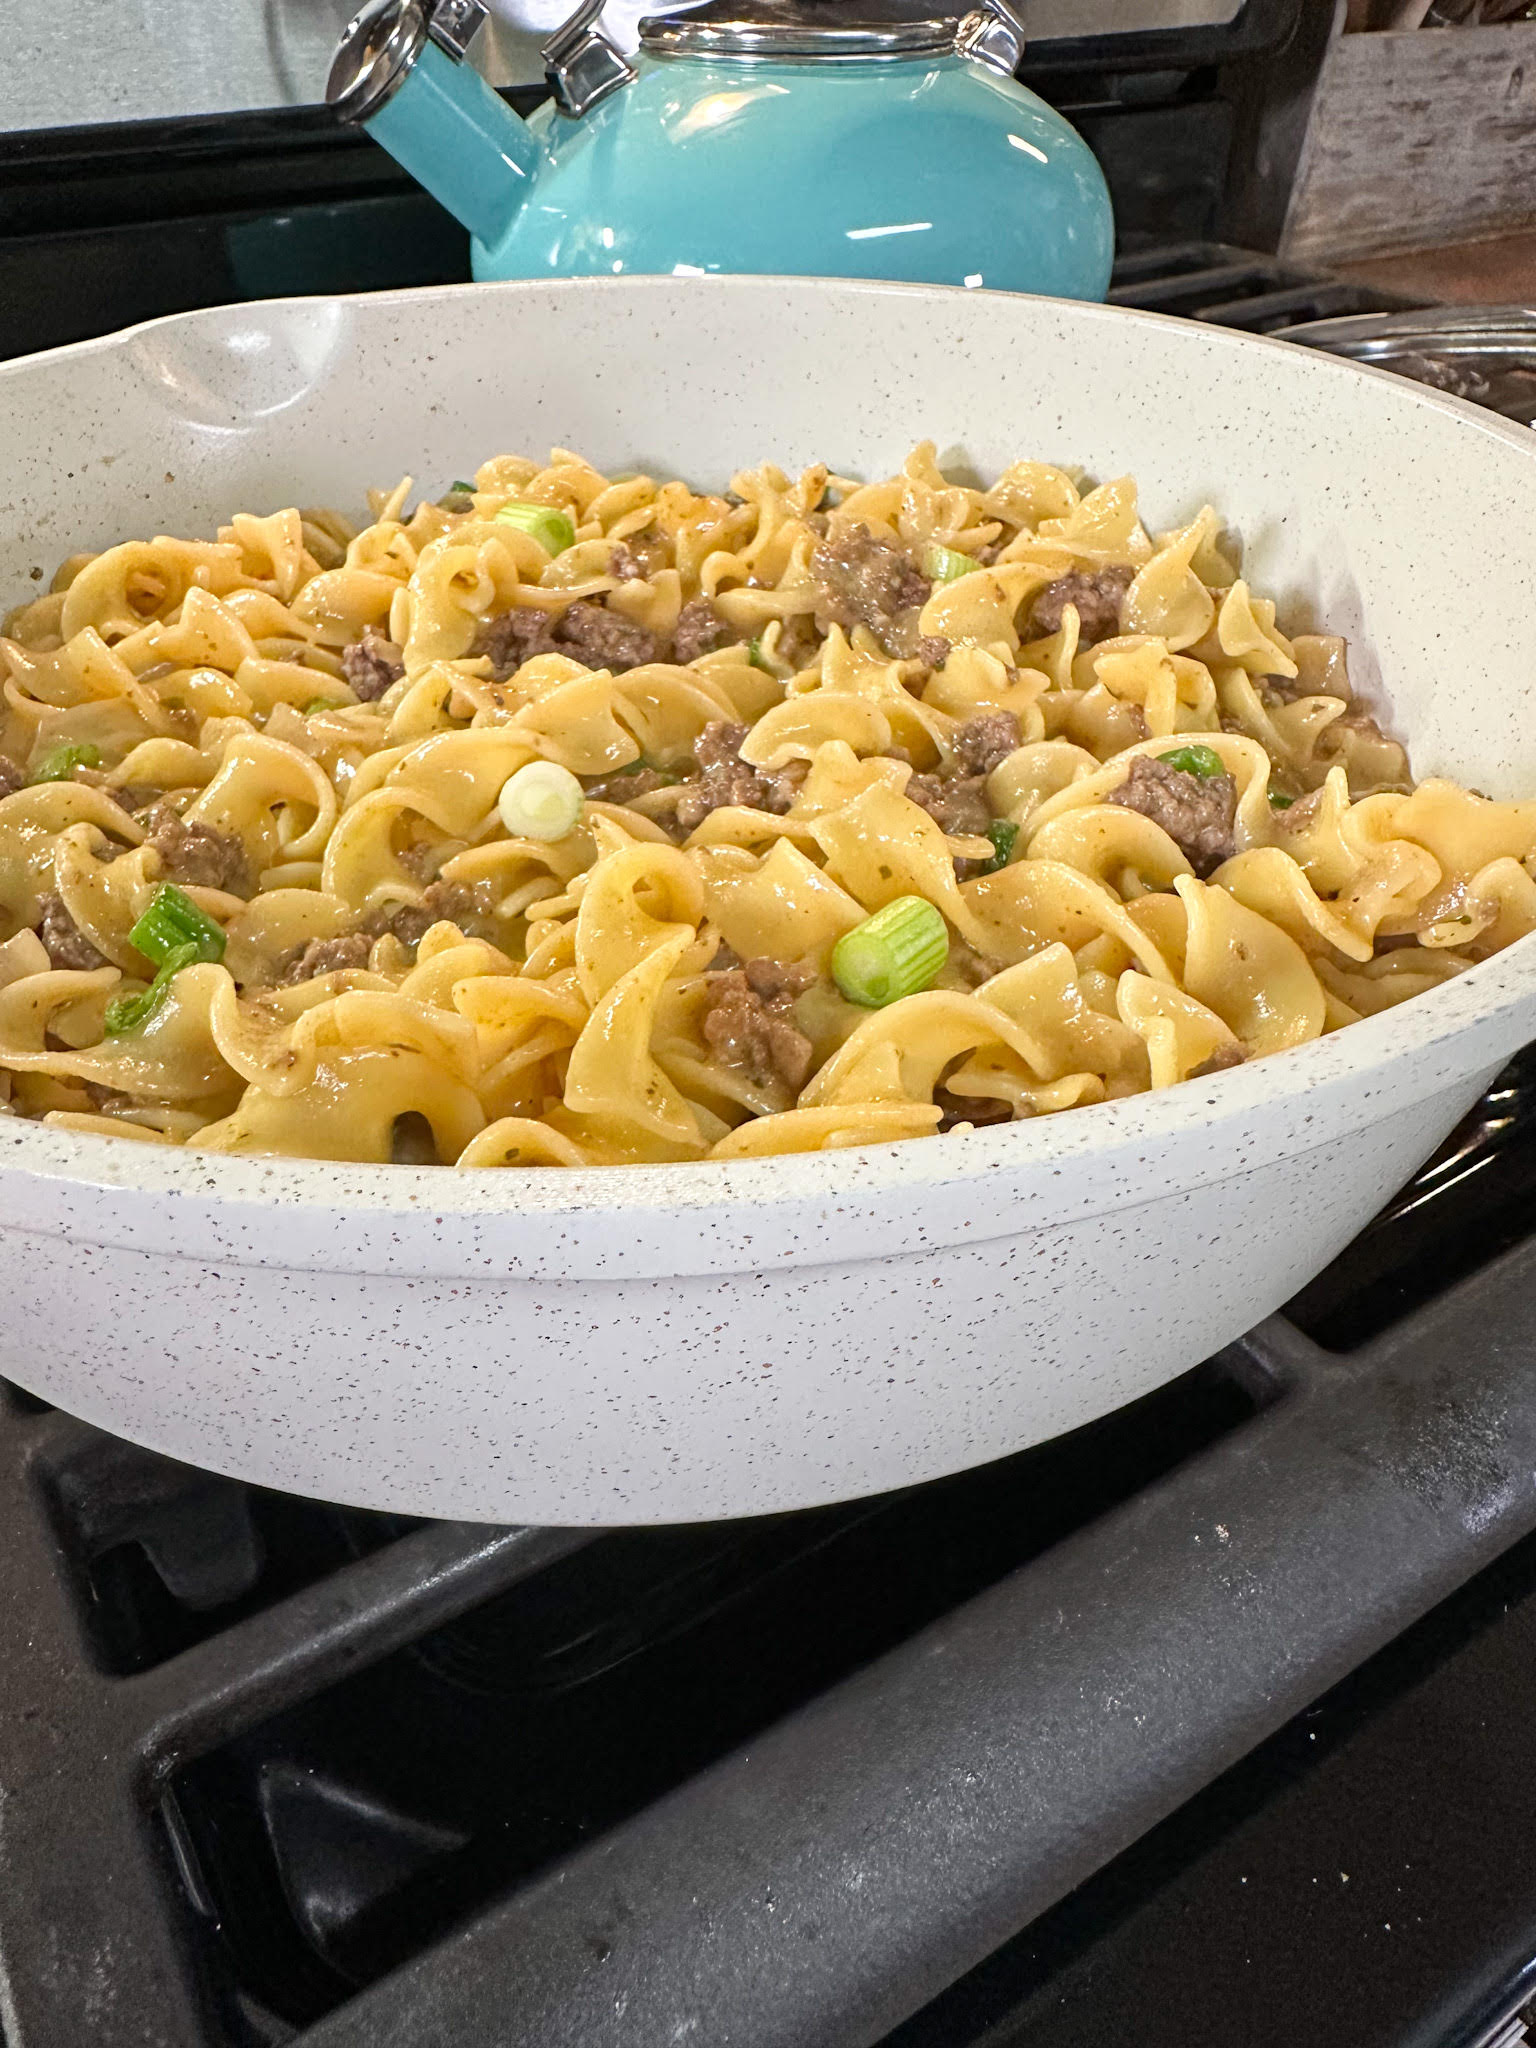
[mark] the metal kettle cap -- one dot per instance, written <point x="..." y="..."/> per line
<point x="833" y="28"/>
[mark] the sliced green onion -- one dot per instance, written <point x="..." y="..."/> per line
<point x="1003" y="833"/>
<point x="946" y="565"/>
<point x="1280" y="801"/>
<point x="459" y="484"/>
<point x="551" y="528"/>
<point x="173" y="921"/>
<point x="1202" y="761"/>
<point x="318" y="704"/>
<point x="127" y="1013"/>
<point x="892" y="954"/>
<point x="756" y="656"/>
<point x="132" y="1013"/>
<point x="541" y="801"/>
<point x="59" y="763"/>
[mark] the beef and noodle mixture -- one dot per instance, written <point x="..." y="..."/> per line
<point x="577" y="819"/>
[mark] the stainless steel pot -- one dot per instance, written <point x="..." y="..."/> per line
<point x="1485" y="353"/>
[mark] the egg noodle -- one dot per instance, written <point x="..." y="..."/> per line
<point x="788" y="706"/>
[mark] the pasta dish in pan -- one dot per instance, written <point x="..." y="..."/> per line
<point x="576" y="819"/>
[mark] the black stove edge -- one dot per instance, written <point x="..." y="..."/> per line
<point x="91" y="1750"/>
<point x="1028" y="1737"/>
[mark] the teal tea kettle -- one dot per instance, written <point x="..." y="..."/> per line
<point x="842" y="138"/>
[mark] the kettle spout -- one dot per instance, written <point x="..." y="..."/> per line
<point x="400" y="73"/>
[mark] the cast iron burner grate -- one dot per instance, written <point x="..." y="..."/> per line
<point x="273" y="1772"/>
<point x="1235" y="288"/>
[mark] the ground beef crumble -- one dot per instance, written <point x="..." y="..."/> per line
<point x="198" y="855"/>
<point x="869" y="582"/>
<point x="442" y="902"/>
<point x="136" y="796"/>
<point x="1354" y="720"/>
<point x="798" y="643"/>
<point x="984" y="742"/>
<point x="12" y="778"/>
<point x="1098" y="599"/>
<point x="727" y="779"/>
<point x="590" y="633"/>
<point x="512" y="638"/>
<point x="699" y="630"/>
<point x="957" y="802"/>
<point x="325" y="956"/>
<point x="625" y="784"/>
<point x="969" y="967"/>
<point x="637" y="559"/>
<point x="749" y="1023"/>
<point x="1224" y="1056"/>
<point x="372" y="665"/>
<point x="1197" y="812"/>
<point x="1274" y="690"/>
<point x="587" y="631"/>
<point x="67" y="945"/>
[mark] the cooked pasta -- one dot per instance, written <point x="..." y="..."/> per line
<point x="857" y="812"/>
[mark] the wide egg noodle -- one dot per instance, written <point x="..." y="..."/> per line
<point x="339" y="705"/>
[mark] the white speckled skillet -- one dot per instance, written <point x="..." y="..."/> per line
<point x="664" y="1343"/>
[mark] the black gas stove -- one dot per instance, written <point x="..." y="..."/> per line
<point x="1209" y="1724"/>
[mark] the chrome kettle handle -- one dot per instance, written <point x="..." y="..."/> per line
<point x="582" y="66"/>
<point x="454" y="24"/>
<point x="993" y="35"/>
<point x="382" y="43"/>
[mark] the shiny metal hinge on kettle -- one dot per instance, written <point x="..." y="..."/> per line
<point x="454" y="24"/>
<point x="994" y="36"/>
<point x="582" y="66"/>
<point x="383" y="41"/>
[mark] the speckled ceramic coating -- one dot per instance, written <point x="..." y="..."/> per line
<point x="661" y="1343"/>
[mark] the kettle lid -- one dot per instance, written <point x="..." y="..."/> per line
<point x="803" y="28"/>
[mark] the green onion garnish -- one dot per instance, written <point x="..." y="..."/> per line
<point x="131" y="1013"/>
<point x="946" y="565"/>
<point x="552" y="529"/>
<point x="318" y="704"/>
<point x="1280" y="801"/>
<point x="892" y="954"/>
<point x="541" y="801"/>
<point x="459" y="484"/>
<point x="1202" y="761"/>
<point x="756" y="657"/>
<point x="59" y="763"/>
<point x="1002" y="832"/>
<point x="172" y="923"/>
